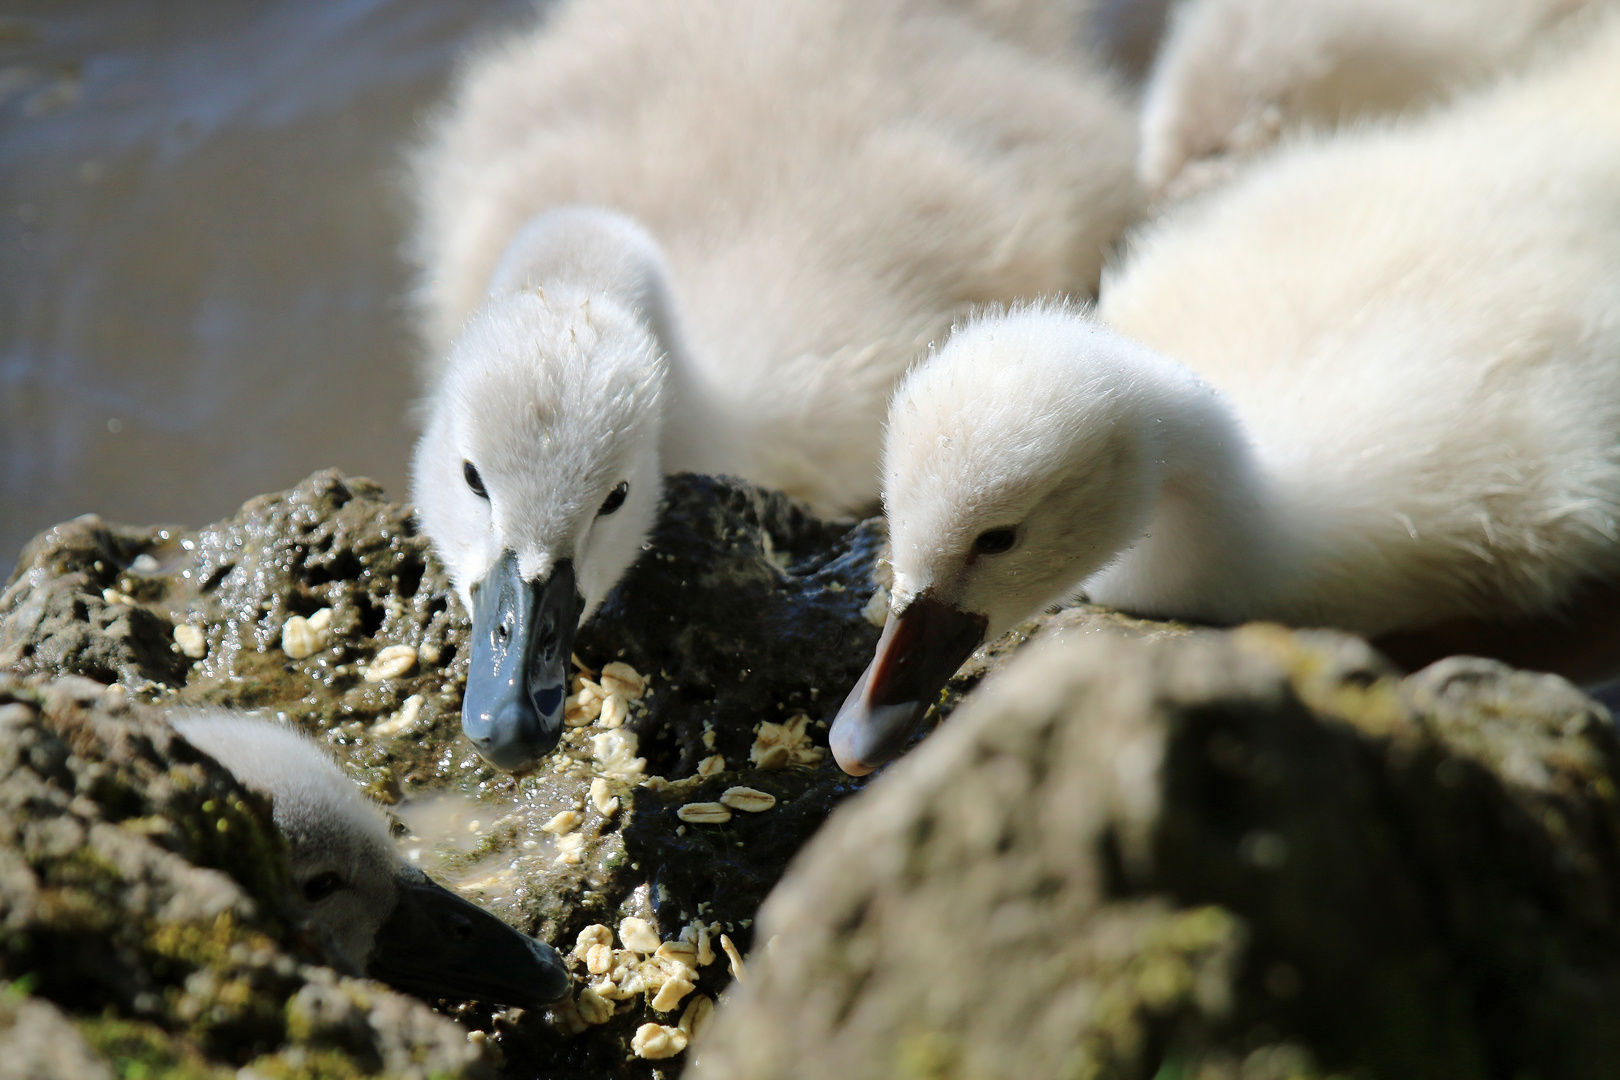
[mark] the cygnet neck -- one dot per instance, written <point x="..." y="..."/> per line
<point x="1213" y="549"/>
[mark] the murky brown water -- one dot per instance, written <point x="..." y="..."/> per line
<point x="200" y="216"/>
<point x="199" y="225"/>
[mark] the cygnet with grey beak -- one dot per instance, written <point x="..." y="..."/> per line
<point x="377" y="915"/>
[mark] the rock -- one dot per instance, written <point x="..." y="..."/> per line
<point x="143" y="915"/>
<point x="1254" y="854"/>
<point x="744" y="609"/>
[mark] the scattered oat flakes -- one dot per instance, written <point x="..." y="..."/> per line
<point x="708" y="737"/>
<point x="391" y="663"/>
<point x="670" y="994"/>
<point x="696" y="1016"/>
<point x="614" y="711"/>
<point x="565" y="1016"/>
<point x="678" y="951"/>
<point x="738" y="971"/>
<point x="638" y="935"/>
<point x="704" y="813"/>
<point x="570" y="849"/>
<point x="594" y="1008"/>
<point x="606" y="804"/>
<point x="402" y="721"/>
<point x="654" y="1041"/>
<point x="698" y="935"/>
<point x="876" y="610"/>
<point x="655" y="783"/>
<point x="594" y="934"/>
<point x="615" y="753"/>
<point x="113" y="596"/>
<point x="599" y="959"/>
<point x="564" y="822"/>
<point x="191" y="640"/>
<point x="711" y="765"/>
<point x="750" y="799"/>
<point x="585" y="704"/>
<point x="300" y="639"/>
<point x="622" y="679"/>
<point x="778" y="745"/>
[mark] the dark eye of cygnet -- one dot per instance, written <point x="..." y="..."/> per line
<point x="615" y="498"/>
<point x="321" y="886"/>
<point x="995" y="541"/>
<point x="474" y="481"/>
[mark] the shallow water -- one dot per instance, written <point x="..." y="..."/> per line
<point x="200" y="214"/>
<point x="200" y="218"/>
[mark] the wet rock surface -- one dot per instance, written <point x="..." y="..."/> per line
<point x="143" y="917"/>
<point x="744" y="611"/>
<point x="1252" y="855"/>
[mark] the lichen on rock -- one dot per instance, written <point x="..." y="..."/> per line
<point x="144" y="920"/>
<point x="1245" y="854"/>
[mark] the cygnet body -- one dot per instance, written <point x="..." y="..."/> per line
<point x="376" y="914"/>
<point x="1373" y="385"/>
<point x="710" y="236"/>
<point x="1231" y="75"/>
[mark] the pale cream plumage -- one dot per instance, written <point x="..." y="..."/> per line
<point x="1233" y="74"/>
<point x="710" y="236"/>
<point x="1372" y="384"/>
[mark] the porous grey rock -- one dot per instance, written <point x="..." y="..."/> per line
<point x="144" y="924"/>
<point x="744" y="609"/>
<point x="1255" y="854"/>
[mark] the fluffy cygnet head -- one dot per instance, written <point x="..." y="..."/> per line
<point x="376" y="914"/>
<point x="1016" y="464"/>
<point x="538" y="480"/>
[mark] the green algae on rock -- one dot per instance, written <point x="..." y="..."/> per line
<point x="744" y="610"/>
<point x="143" y="914"/>
<point x="1250" y="855"/>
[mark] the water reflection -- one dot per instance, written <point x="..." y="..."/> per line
<point x="200" y="216"/>
<point x="199" y="226"/>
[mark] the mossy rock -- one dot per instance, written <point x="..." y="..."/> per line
<point x="1246" y="855"/>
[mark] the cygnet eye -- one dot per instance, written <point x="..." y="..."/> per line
<point x="321" y="886"/>
<point x="996" y="541"/>
<point x="474" y="481"/>
<point x="615" y="499"/>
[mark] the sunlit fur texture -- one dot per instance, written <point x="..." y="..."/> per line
<point x="328" y="824"/>
<point x="823" y="185"/>
<point x="1413" y="336"/>
<point x="1232" y="74"/>
<point x="553" y="394"/>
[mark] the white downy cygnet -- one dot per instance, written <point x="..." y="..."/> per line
<point x="1374" y="385"/>
<point x="376" y="914"/>
<point x="1232" y="74"/>
<point x="710" y="236"/>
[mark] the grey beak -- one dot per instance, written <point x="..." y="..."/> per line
<point x="920" y="650"/>
<point x="522" y="635"/>
<point x="437" y="945"/>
